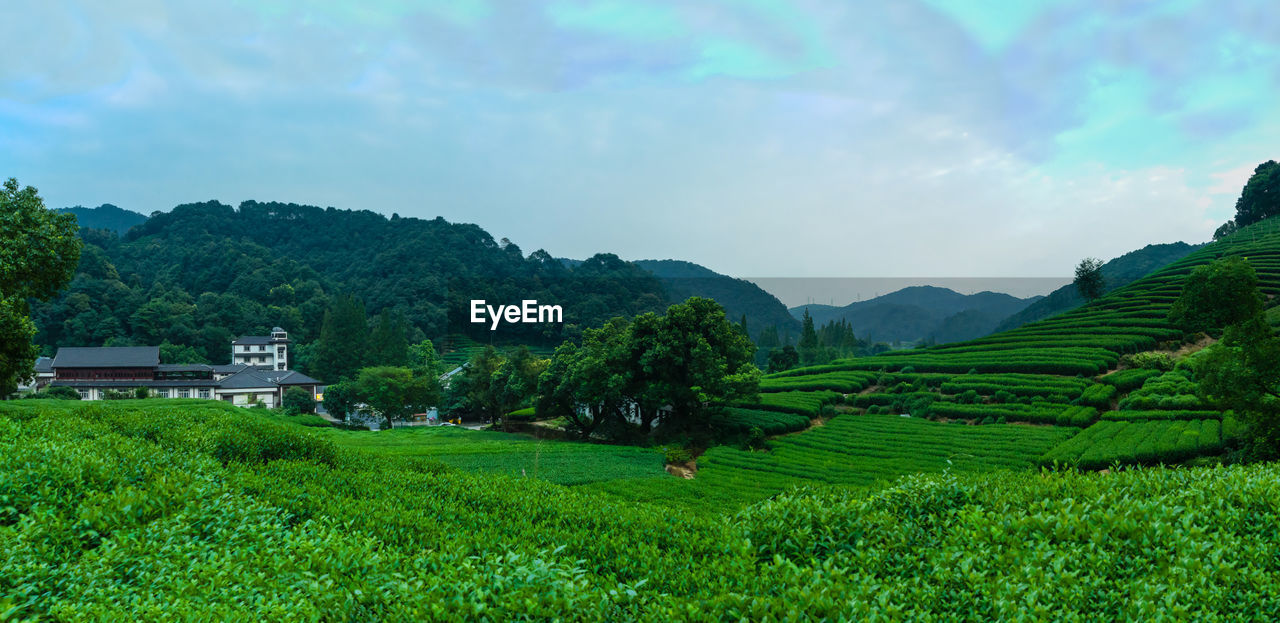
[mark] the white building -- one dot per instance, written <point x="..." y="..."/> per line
<point x="268" y="352"/>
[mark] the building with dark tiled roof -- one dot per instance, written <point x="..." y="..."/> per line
<point x="92" y="372"/>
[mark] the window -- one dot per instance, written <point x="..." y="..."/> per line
<point x="204" y="393"/>
<point x="280" y="366"/>
<point x="163" y="392"/>
<point x="184" y="392"/>
<point x="84" y="394"/>
<point x="262" y="348"/>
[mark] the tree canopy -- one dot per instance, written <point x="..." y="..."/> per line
<point x="39" y="250"/>
<point x="676" y="369"/>
<point x="1260" y="197"/>
<point x="1217" y="295"/>
<point x="1089" y="280"/>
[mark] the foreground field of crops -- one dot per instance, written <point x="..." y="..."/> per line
<point x="175" y="512"/>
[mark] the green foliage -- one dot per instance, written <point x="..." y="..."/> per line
<point x="1128" y="380"/>
<point x="1089" y="280"/>
<point x="58" y="393"/>
<point x="1260" y="197"/>
<point x="179" y="353"/>
<point x="676" y="455"/>
<point x="1176" y="389"/>
<point x="424" y="359"/>
<point x="340" y="399"/>
<point x="202" y="274"/>
<point x="1147" y="442"/>
<point x="1149" y="361"/>
<point x="297" y="400"/>
<point x="344" y="338"/>
<point x="394" y="393"/>
<point x="734" y="420"/>
<point x="39" y="251"/>
<point x="1216" y="295"/>
<point x="804" y="403"/>
<point x="673" y="368"/>
<point x="784" y="358"/>
<point x="389" y="340"/>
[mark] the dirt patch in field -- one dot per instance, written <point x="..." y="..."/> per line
<point x="683" y="470"/>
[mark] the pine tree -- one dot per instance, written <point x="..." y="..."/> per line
<point x="344" y="339"/>
<point x="389" y="341"/>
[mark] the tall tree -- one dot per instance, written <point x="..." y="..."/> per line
<point x="344" y="336"/>
<point x="424" y="361"/>
<point x="39" y="251"/>
<point x="389" y="341"/>
<point x="1089" y="280"/>
<point x="809" y="345"/>
<point x="1260" y="197"/>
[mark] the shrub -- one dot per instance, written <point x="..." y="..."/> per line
<point x="677" y="455"/>
<point x="298" y="400"/>
<point x="141" y="393"/>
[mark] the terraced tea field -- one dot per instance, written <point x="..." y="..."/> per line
<point x="850" y="450"/>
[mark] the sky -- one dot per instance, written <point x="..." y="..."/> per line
<point x="813" y="138"/>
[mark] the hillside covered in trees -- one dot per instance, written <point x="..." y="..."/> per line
<point x="739" y="297"/>
<point x="204" y="273"/>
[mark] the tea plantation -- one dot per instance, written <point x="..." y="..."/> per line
<point x="182" y="511"/>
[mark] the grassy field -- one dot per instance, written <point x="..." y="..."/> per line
<point x="562" y="462"/>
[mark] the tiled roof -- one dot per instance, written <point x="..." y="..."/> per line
<point x="107" y="357"/>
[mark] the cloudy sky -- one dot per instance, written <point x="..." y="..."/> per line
<point x="761" y="138"/>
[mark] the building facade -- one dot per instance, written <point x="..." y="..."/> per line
<point x="93" y="372"/>
<point x="269" y="352"/>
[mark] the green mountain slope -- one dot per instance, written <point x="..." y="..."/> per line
<point x="1117" y="272"/>
<point x="106" y="216"/>
<point x="738" y="297"/>
<point x="204" y="273"/>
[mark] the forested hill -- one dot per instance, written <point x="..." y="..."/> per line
<point x="1118" y="272"/>
<point x="106" y="216"/>
<point x="921" y="313"/>
<point x="204" y="273"/>
<point x="738" y="296"/>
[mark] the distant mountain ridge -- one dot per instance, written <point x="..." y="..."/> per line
<point x="921" y="313"/>
<point x="738" y="296"/>
<point x="106" y="216"/>
<point x="1118" y="272"/>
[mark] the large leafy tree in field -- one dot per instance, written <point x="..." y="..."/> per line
<point x="1217" y="295"/>
<point x="39" y="251"/>
<point x="1089" y="279"/>
<point x="692" y="359"/>
<point x="1260" y="197"/>
<point x="395" y="393"/>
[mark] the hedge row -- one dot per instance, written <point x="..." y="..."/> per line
<point x="1148" y="442"/>
<point x="1038" y="413"/>
<point x="738" y="420"/>
<point x="1138" y="416"/>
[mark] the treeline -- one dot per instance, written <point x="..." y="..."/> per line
<point x="205" y="273"/>
<point x="834" y="340"/>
